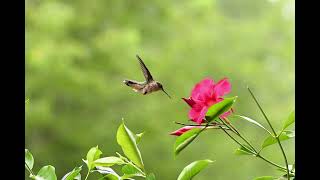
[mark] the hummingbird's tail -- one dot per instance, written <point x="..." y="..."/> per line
<point x="129" y="82"/>
<point x="136" y="86"/>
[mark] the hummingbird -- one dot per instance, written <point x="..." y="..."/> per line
<point x="149" y="85"/>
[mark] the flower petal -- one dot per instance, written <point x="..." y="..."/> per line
<point x="222" y="87"/>
<point x="202" y="89"/>
<point x="183" y="130"/>
<point x="197" y="113"/>
<point x="189" y="101"/>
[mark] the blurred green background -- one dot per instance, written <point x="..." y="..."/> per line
<point x="79" y="52"/>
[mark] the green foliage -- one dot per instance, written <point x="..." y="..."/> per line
<point x="106" y="171"/>
<point x="217" y="109"/>
<point x="74" y="174"/>
<point x="130" y="171"/>
<point x="109" y="177"/>
<point x="185" y="139"/>
<point x="291" y="169"/>
<point x="46" y="173"/>
<point x="193" y="169"/>
<point x="29" y="161"/>
<point x="244" y="150"/>
<point x="290" y="120"/>
<point x="78" y="52"/>
<point x="138" y="137"/>
<point x="285" y="135"/>
<point x="108" y="161"/>
<point x="101" y="165"/>
<point x="254" y="122"/>
<point x="213" y="112"/>
<point x="151" y="176"/>
<point x="92" y="155"/>
<point x="126" y="139"/>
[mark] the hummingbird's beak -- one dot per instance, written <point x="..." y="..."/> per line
<point x="166" y="93"/>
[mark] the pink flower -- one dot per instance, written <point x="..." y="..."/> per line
<point x="183" y="130"/>
<point x="205" y="94"/>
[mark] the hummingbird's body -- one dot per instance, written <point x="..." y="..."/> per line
<point x="147" y="86"/>
<point x="143" y="87"/>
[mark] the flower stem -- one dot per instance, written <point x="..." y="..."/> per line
<point x="253" y="151"/>
<point x="141" y="171"/>
<point x="87" y="175"/>
<point x="234" y="139"/>
<point x="211" y="124"/>
<point x="238" y="133"/>
<point x="270" y="162"/>
<point x="274" y="132"/>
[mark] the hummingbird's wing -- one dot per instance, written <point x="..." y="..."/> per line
<point x="146" y="72"/>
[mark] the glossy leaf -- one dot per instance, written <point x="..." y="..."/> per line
<point x="221" y="107"/>
<point x="108" y="161"/>
<point x="290" y="120"/>
<point x="92" y="155"/>
<point x="131" y="170"/>
<point x="265" y="178"/>
<point x="243" y="151"/>
<point x="126" y="139"/>
<point x="74" y="174"/>
<point x="254" y="122"/>
<point x="285" y="135"/>
<point x="151" y="176"/>
<point x="28" y="158"/>
<point x="185" y="139"/>
<point x="105" y="170"/>
<point x="46" y="173"/>
<point x="193" y="169"/>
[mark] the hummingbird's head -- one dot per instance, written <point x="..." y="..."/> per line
<point x="161" y="88"/>
<point x="159" y="85"/>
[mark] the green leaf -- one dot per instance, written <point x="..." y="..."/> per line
<point x="221" y="107"/>
<point x="28" y="158"/>
<point x="193" y="169"/>
<point x="92" y="155"/>
<point x="126" y="139"/>
<point x="110" y="177"/>
<point x="26" y="101"/>
<point x="264" y="178"/>
<point x="138" y="137"/>
<point x="46" y="173"/>
<point x="108" y="161"/>
<point x="74" y="174"/>
<point x="131" y="171"/>
<point x="151" y="176"/>
<point x="185" y="139"/>
<point x="243" y="151"/>
<point x="289" y="120"/>
<point x="285" y="135"/>
<point x="254" y="122"/>
<point x="122" y="157"/>
<point x="105" y="170"/>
